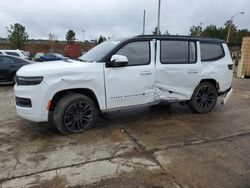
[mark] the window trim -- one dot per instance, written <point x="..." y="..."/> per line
<point x="11" y="54"/>
<point x="216" y="58"/>
<point x="129" y="42"/>
<point x="180" y="63"/>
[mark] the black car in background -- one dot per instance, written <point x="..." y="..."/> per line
<point x="50" y="57"/>
<point x="9" y="65"/>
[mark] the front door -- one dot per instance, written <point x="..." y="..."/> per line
<point x="132" y="85"/>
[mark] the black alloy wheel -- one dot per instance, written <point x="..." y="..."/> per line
<point x="78" y="117"/>
<point x="74" y="113"/>
<point x="204" y="98"/>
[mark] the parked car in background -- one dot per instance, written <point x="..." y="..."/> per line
<point x="18" y="53"/>
<point x="51" y="57"/>
<point x="37" y="56"/>
<point x="117" y="74"/>
<point x="9" y="66"/>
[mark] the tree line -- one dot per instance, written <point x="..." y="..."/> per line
<point x="235" y="37"/>
<point x="18" y="36"/>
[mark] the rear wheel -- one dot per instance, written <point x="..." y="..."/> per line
<point x="204" y="98"/>
<point x="74" y="113"/>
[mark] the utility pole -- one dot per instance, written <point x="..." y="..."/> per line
<point x="231" y="23"/>
<point x="83" y="36"/>
<point x="7" y="31"/>
<point x="159" y="17"/>
<point x="144" y="21"/>
<point x="200" y="32"/>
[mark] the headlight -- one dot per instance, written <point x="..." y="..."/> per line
<point x="28" y="81"/>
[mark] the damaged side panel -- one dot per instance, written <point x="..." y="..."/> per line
<point x="92" y="79"/>
<point x="176" y="81"/>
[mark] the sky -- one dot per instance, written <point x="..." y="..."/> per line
<point x="117" y="18"/>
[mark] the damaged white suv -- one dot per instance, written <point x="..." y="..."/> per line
<point x="116" y="74"/>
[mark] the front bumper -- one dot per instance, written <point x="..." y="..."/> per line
<point x="37" y="111"/>
<point x="22" y="112"/>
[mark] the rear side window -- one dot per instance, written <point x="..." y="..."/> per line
<point x="13" y="54"/>
<point x="138" y="53"/>
<point x="211" y="51"/>
<point x="178" y="52"/>
<point x="18" y="60"/>
<point x="4" y="60"/>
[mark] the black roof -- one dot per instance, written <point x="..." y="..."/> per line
<point x="181" y="37"/>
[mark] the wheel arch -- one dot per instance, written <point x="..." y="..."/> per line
<point x="84" y="91"/>
<point x="212" y="81"/>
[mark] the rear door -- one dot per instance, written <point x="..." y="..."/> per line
<point x="131" y="85"/>
<point x="178" y="69"/>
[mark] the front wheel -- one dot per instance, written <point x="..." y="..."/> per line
<point x="204" y="98"/>
<point x="74" y="113"/>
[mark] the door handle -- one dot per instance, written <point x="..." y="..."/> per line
<point x="192" y="72"/>
<point x="145" y="73"/>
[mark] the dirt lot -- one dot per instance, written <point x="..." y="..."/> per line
<point x="159" y="146"/>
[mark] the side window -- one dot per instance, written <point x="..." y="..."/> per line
<point x="177" y="52"/>
<point x="4" y="60"/>
<point x="1" y="53"/>
<point x="211" y="51"/>
<point x="138" y="53"/>
<point x="13" y="54"/>
<point x="18" y="60"/>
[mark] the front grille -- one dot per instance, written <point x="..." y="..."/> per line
<point x="23" y="102"/>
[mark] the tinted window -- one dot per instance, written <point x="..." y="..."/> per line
<point x="138" y="53"/>
<point x="1" y="53"/>
<point x="178" y="52"/>
<point x="4" y="60"/>
<point x="13" y="53"/>
<point x="18" y="60"/>
<point x="211" y="51"/>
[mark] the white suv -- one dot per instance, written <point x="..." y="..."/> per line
<point x="116" y="74"/>
<point x="18" y="53"/>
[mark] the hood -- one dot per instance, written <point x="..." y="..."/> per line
<point x="55" y="67"/>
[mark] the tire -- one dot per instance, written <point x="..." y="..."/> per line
<point x="204" y="98"/>
<point x="74" y="113"/>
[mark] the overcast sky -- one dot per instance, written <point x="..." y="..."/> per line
<point x="115" y="18"/>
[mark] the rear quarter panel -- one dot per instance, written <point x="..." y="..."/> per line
<point x="219" y="71"/>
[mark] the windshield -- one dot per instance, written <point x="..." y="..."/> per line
<point x="100" y="51"/>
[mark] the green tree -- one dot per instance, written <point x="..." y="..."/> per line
<point x="240" y="34"/>
<point x="70" y="36"/>
<point x="213" y="31"/>
<point x="17" y="36"/>
<point x="101" y="39"/>
<point x="155" y="31"/>
<point x="235" y="37"/>
<point x="195" y="31"/>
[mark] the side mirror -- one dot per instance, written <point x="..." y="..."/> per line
<point x="118" y="61"/>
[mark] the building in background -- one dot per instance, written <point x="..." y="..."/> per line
<point x="243" y="68"/>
